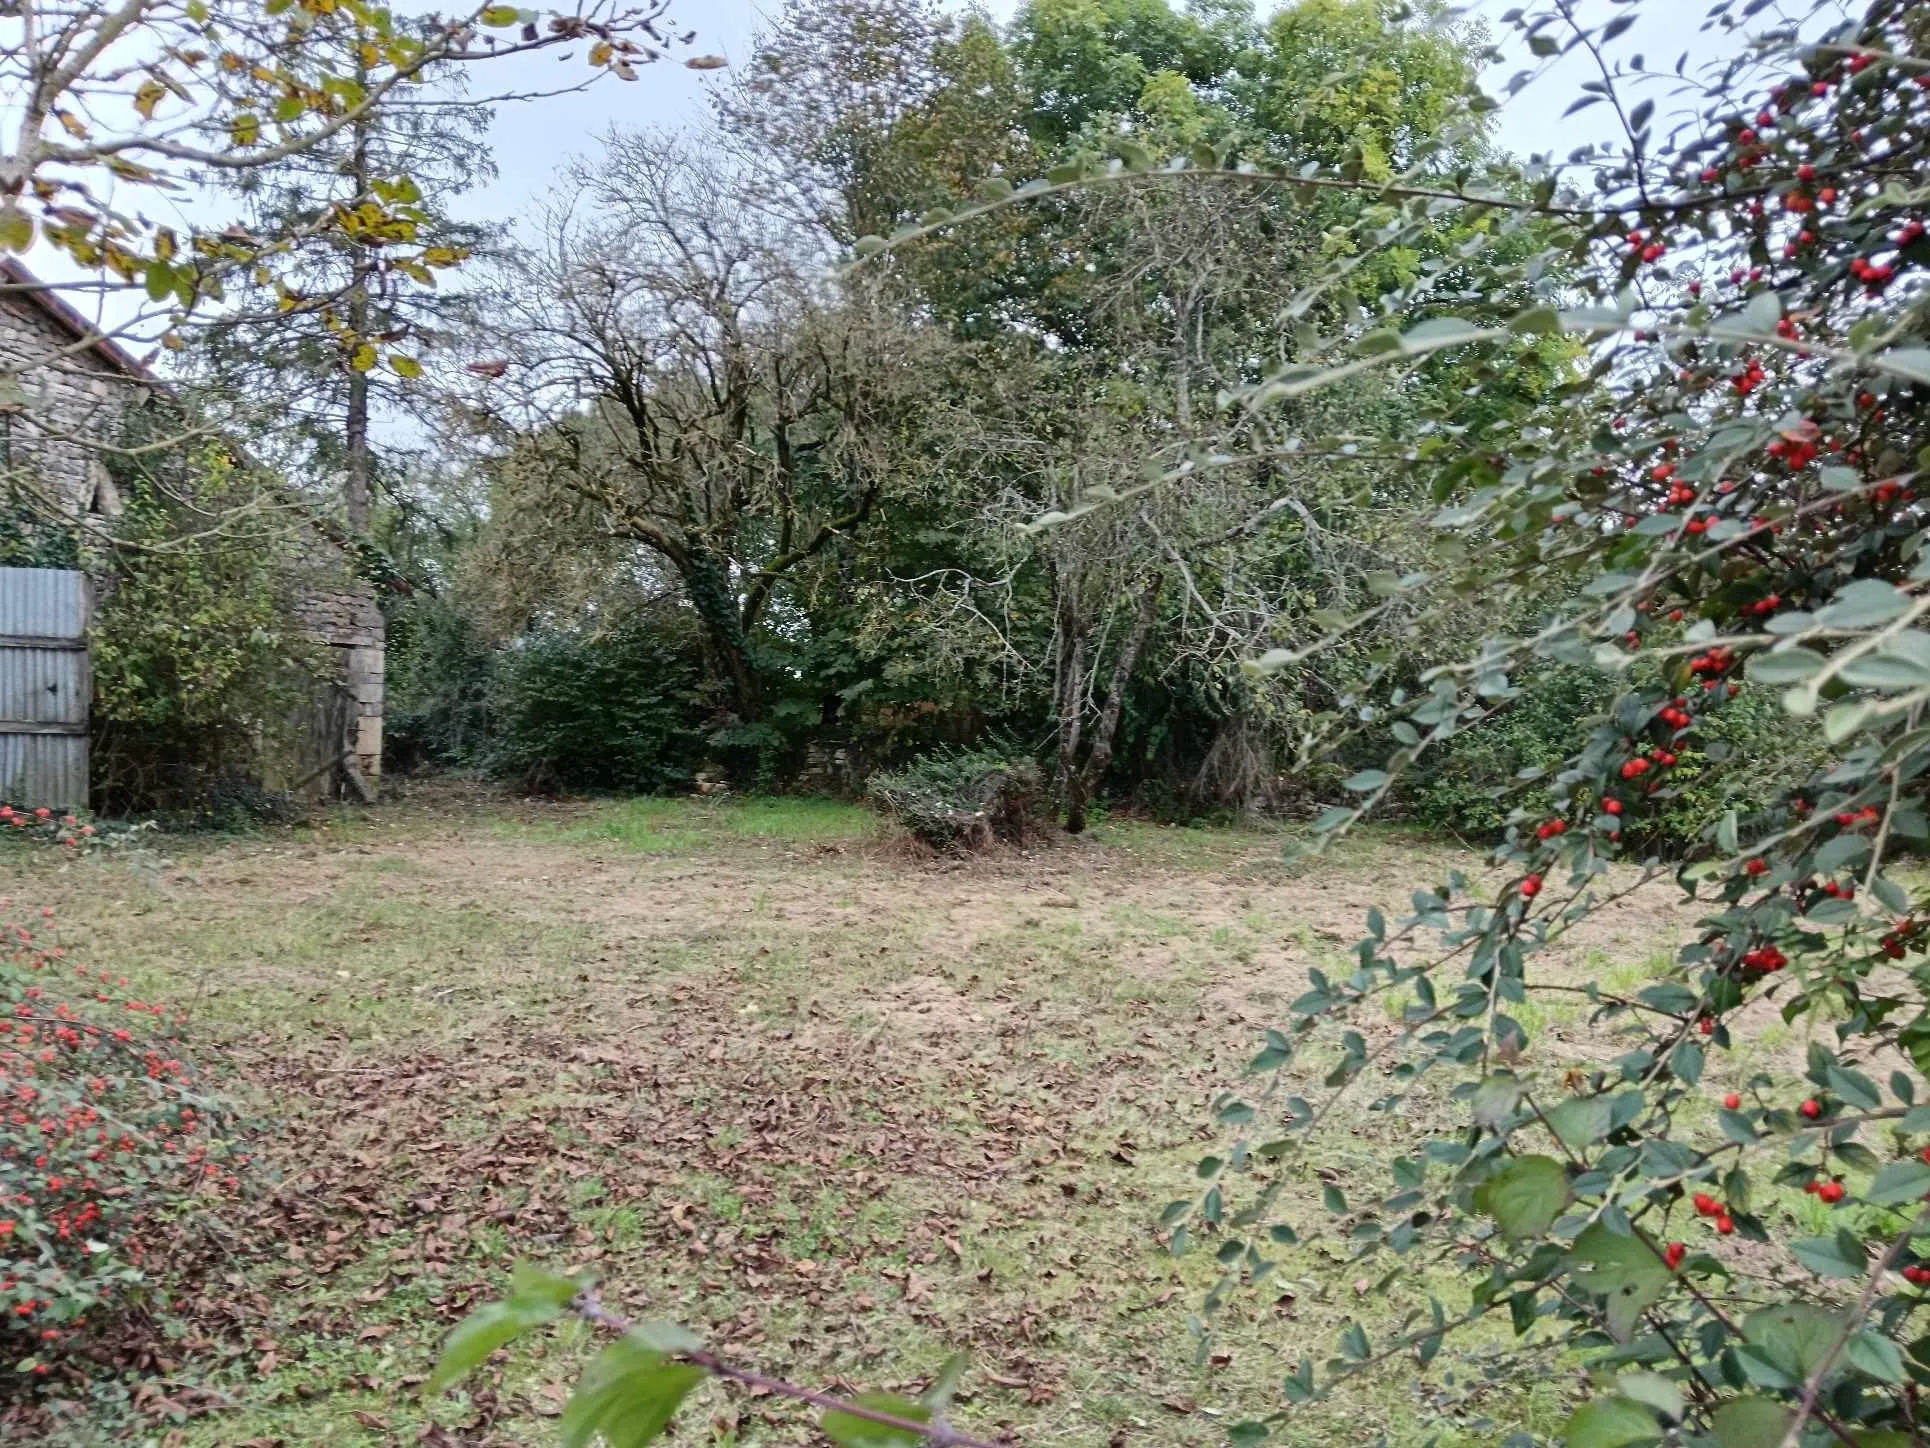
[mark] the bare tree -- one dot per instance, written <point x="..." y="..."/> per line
<point x="673" y="366"/>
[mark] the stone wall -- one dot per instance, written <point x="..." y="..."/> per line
<point x="62" y="397"/>
<point x="65" y="396"/>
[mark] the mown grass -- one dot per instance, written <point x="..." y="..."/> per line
<point x="842" y="1112"/>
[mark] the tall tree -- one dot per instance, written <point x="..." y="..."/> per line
<point x="687" y="382"/>
<point x="333" y="333"/>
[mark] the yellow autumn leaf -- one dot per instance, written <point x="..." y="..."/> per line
<point x="72" y="125"/>
<point x="601" y="52"/>
<point x="245" y="129"/>
<point x="148" y="97"/>
<point x="404" y="366"/>
<point x="364" y="357"/>
<point x="499" y="15"/>
<point x="444" y="255"/>
<point x="16" y="228"/>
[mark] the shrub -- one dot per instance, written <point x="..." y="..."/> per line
<point x="1473" y="784"/>
<point x="963" y="800"/>
<point x="199" y="668"/>
<point x="441" y="676"/>
<point x="107" y="1136"/>
<point x="618" y="711"/>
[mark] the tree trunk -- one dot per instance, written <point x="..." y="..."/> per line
<point x="707" y="581"/>
<point x="356" y="427"/>
<point x="1085" y="780"/>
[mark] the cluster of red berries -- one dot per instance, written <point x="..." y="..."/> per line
<point x="1766" y="958"/>
<point x="1708" y="1206"/>
<point x="1900" y="940"/>
<point x="1765" y="605"/>
<point x="1719" y="660"/>
<point x="1530" y="886"/>
<point x="1676" y="715"/>
<point x="1838" y="891"/>
<point x="1795" y="453"/>
<point x="1916" y="1276"/>
<point x="1548" y="829"/>
<point x="1829" y="1192"/>
<point x="1874" y="276"/>
<point x="1856" y="819"/>
<point x="1647" y="248"/>
<point x="67" y="830"/>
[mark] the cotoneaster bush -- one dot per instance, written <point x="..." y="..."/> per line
<point x="108" y="1135"/>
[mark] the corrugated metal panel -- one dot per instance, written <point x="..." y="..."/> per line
<point x="44" y="686"/>
<point x="44" y="769"/>
<point x="44" y="603"/>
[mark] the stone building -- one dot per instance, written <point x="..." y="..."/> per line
<point x="64" y="386"/>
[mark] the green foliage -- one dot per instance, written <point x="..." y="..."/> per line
<point x="199" y="664"/>
<point x="963" y="799"/>
<point x="441" y="671"/>
<point x="1475" y="782"/>
<point x="616" y="711"/>
<point x="110" y="1146"/>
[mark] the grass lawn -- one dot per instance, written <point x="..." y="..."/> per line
<point x="839" y="1109"/>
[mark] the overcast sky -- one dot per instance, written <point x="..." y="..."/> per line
<point x="530" y="138"/>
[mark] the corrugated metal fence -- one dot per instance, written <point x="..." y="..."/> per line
<point x="44" y="687"/>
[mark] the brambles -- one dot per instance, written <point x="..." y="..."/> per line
<point x="106" y="1133"/>
<point x="963" y="801"/>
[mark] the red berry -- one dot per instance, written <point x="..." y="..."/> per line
<point x="1530" y="886"/>
<point x="1811" y="1108"/>
<point x="1732" y="1101"/>
<point x="1831" y="1192"/>
<point x="1674" y="1255"/>
<point x="1757" y="867"/>
<point x="1706" y="1205"/>
<point x="1612" y="806"/>
<point x="1805" y="172"/>
<point x="1724" y="1225"/>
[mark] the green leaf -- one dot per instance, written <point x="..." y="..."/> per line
<point x="1854" y="1087"/>
<point x="498" y="16"/>
<point x="1825" y="1257"/>
<point x="1654" y="1391"/>
<point x="1864" y="604"/>
<point x="1789" y="665"/>
<point x="1750" y="1423"/>
<point x="528" y="1284"/>
<point x="1911" y="362"/>
<point x="1876" y="1355"/>
<point x="627" y="1396"/>
<point x="1525" y="1197"/>
<point x="481" y="1333"/>
<point x="1580" y="1122"/>
<point x="1353" y="1343"/>
<point x="1367" y="779"/>
<point x="1246" y="1434"/>
<point x="1795" y="1338"/>
<point x="1611" y="1423"/>
<point x="1628" y="1273"/>
<point x="854" y="1432"/>
<point x="938" y="1396"/>
<point x="1439" y="332"/>
<point x="1495" y="1099"/>
<point x="1900" y="1182"/>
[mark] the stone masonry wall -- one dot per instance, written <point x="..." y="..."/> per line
<point x="76" y="395"/>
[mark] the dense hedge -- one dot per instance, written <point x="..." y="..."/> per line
<point x="617" y="710"/>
